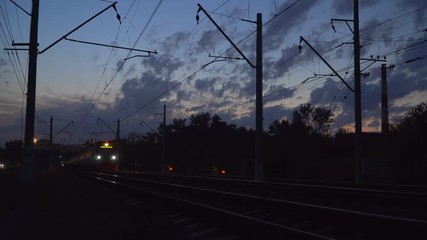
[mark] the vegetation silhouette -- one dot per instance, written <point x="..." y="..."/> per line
<point x="301" y="148"/>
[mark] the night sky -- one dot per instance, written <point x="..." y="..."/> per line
<point x="80" y="82"/>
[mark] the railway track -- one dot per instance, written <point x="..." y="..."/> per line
<point x="258" y="210"/>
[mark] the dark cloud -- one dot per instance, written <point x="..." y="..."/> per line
<point x="278" y="92"/>
<point x="408" y="77"/>
<point x="141" y="94"/>
<point x="120" y="65"/>
<point x="163" y="65"/>
<point x="3" y="63"/>
<point x="209" y="41"/>
<point x="278" y="29"/>
<point x="172" y="42"/>
<point x="228" y="88"/>
<point x="346" y="7"/>
<point x="325" y="94"/>
<point x="73" y="108"/>
<point x="277" y="68"/>
<point x="405" y="4"/>
<point x="205" y="84"/>
<point x="374" y="35"/>
<point x="401" y="83"/>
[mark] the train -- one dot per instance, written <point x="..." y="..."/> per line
<point x="99" y="156"/>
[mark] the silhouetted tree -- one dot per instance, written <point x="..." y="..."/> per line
<point x="178" y="125"/>
<point x="409" y="138"/>
<point x="13" y="151"/>
<point x="200" y="121"/>
<point x="415" y="120"/>
<point x="277" y="128"/>
<point x="312" y="120"/>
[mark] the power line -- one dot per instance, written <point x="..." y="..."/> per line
<point x="166" y="63"/>
<point x="189" y="77"/>
<point x="91" y="105"/>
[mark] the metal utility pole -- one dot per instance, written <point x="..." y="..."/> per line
<point x="50" y="143"/>
<point x="164" y="139"/>
<point x="358" y="168"/>
<point x="118" y="141"/>
<point x="259" y="167"/>
<point x="384" y="100"/>
<point x="163" y="157"/>
<point x="50" y="130"/>
<point x="118" y="130"/>
<point x="27" y="174"/>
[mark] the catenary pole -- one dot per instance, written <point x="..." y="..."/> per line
<point x="27" y="174"/>
<point x="118" y="130"/>
<point x="384" y="100"/>
<point x="51" y="144"/>
<point x="259" y="167"/>
<point x="163" y="160"/>
<point x="358" y="167"/>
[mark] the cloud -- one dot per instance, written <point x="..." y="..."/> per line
<point x="138" y="92"/>
<point x="410" y="4"/>
<point x="3" y="63"/>
<point x="120" y="64"/>
<point x="325" y="94"/>
<point x="163" y="65"/>
<point x="277" y="68"/>
<point x="209" y="41"/>
<point x="407" y="77"/>
<point x="278" y="29"/>
<point x="278" y="93"/>
<point x="346" y="7"/>
<point x="172" y="42"/>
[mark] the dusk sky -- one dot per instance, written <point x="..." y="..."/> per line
<point x="80" y="82"/>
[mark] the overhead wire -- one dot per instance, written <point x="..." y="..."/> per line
<point x="330" y="49"/>
<point x="92" y="105"/>
<point x="174" y="85"/>
<point x="165" y="64"/>
<point x="388" y="40"/>
<point x="189" y="77"/>
<point x="5" y="32"/>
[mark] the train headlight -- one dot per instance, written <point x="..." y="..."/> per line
<point x="98" y="157"/>
<point x="113" y="157"/>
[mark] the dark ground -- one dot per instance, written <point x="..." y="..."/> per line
<point x="63" y="206"/>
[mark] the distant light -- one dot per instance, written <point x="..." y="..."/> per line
<point x="98" y="157"/>
<point x="113" y="157"/>
<point x="170" y="169"/>
<point x="223" y="171"/>
<point x="35" y="140"/>
<point x="106" y="145"/>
